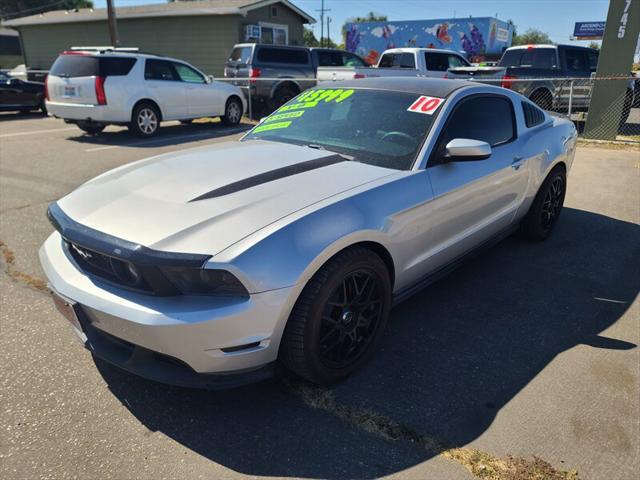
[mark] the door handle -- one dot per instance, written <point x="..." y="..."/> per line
<point x="153" y="86"/>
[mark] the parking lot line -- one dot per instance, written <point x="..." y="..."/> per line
<point x="35" y="132"/>
<point x="165" y="139"/>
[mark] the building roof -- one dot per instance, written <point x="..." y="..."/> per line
<point x="174" y="9"/>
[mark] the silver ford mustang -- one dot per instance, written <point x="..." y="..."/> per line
<point x="209" y="266"/>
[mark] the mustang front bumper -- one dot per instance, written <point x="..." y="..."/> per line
<point x="185" y="340"/>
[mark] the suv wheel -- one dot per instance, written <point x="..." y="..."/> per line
<point x="339" y="318"/>
<point x="145" y="120"/>
<point x="281" y="97"/>
<point x="90" y="128"/>
<point x="232" y="112"/>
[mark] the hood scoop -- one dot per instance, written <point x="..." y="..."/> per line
<point x="270" y="176"/>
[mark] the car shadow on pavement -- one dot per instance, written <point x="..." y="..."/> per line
<point x="174" y="134"/>
<point x="453" y="356"/>
<point x="7" y="116"/>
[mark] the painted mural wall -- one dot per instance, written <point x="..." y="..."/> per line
<point x="476" y="37"/>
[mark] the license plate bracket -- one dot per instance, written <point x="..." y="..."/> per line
<point x="67" y="308"/>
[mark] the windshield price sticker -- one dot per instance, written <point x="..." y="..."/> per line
<point x="426" y="105"/>
<point x="271" y="126"/>
<point x="283" y="116"/>
<point x="311" y="98"/>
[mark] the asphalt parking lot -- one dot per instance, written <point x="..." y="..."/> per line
<point x="524" y="360"/>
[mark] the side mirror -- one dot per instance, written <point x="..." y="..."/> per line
<point x="466" y="149"/>
<point x="13" y="81"/>
<point x="210" y="78"/>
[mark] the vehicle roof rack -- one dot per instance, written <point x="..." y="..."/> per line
<point x="106" y="49"/>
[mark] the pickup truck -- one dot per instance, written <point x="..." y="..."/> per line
<point x="400" y="62"/>
<point x="552" y="67"/>
<point x="286" y="70"/>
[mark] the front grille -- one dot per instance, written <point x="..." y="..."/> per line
<point x="110" y="268"/>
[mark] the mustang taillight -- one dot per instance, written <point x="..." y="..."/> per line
<point x="101" y="96"/>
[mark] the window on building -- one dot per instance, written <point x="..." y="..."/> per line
<point x="274" y="11"/>
<point x="274" y="34"/>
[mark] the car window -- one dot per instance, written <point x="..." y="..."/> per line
<point x="441" y="62"/>
<point x="576" y="60"/>
<point x="486" y="118"/>
<point x="455" y="61"/>
<point x="116" y="67"/>
<point x="283" y="55"/>
<point x="375" y="127"/>
<point x="240" y="55"/>
<point x="437" y="62"/>
<point x="397" y="60"/>
<point x="3" y="77"/>
<point x="330" y="59"/>
<point x="593" y="61"/>
<point x="160" y="70"/>
<point x="511" y="58"/>
<point x="188" y="74"/>
<point x="351" y="60"/>
<point x="75" y="66"/>
<point x="539" y="58"/>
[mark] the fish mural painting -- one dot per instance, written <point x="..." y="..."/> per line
<point x="477" y="38"/>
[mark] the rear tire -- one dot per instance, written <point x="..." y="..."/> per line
<point x="546" y="207"/>
<point x="339" y="318"/>
<point x="232" y="112"/>
<point x="145" y="120"/>
<point x="90" y="128"/>
<point x="282" y="96"/>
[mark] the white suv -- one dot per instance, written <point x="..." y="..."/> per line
<point x="96" y="87"/>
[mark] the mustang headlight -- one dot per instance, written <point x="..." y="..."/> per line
<point x="198" y="281"/>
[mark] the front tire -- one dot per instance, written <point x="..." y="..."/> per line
<point x="546" y="207"/>
<point x="232" y="112"/>
<point x="339" y="318"/>
<point x="145" y="121"/>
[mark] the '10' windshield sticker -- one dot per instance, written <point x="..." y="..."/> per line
<point x="426" y="105"/>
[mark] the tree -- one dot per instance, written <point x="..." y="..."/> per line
<point x="531" y="36"/>
<point x="309" y="38"/>
<point x="371" y="17"/>
<point x="23" y="8"/>
<point x="594" y="44"/>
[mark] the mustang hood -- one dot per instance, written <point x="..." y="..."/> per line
<point x="203" y="200"/>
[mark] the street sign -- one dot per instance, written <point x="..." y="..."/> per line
<point x="588" y="30"/>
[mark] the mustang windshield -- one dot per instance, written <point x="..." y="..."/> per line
<point x="377" y="127"/>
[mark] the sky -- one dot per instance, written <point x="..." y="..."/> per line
<point x="555" y="17"/>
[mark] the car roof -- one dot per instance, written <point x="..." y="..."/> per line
<point x="435" y="87"/>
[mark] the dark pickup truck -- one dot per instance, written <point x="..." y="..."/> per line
<point x="552" y="67"/>
<point x="291" y="70"/>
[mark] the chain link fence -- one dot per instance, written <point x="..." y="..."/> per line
<point x="566" y="96"/>
<point x="572" y="97"/>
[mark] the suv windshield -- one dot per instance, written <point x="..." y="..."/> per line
<point x="370" y="126"/>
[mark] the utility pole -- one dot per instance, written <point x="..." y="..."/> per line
<point x="322" y="10"/>
<point x="113" y="25"/>
<point x="328" y="31"/>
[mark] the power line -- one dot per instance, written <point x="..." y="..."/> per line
<point x="322" y="10"/>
